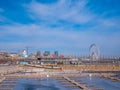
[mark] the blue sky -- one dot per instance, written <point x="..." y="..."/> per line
<point x="69" y="26"/>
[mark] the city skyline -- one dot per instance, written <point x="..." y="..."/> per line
<point x="68" y="26"/>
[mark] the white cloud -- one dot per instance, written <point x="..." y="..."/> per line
<point x="62" y="10"/>
<point x="37" y="36"/>
<point x="77" y="13"/>
<point x="41" y="35"/>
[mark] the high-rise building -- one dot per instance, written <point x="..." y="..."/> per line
<point x="46" y="53"/>
<point x="61" y="56"/>
<point x="38" y="54"/>
<point x="56" y="53"/>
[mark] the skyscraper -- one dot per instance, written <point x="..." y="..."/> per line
<point x="56" y="53"/>
<point x="46" y="53"/>
<point x="38" y="54"/>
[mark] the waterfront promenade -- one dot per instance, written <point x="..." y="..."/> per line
<point x="59" y="69"/>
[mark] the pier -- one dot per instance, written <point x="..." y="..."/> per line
<point x="77" y="84"/>
<point x="7" y="83"/>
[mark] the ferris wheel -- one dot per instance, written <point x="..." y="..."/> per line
<point x="94" y="52"/>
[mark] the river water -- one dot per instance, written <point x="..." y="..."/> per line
<point x="39" y="84"/>
<point x="53" y="84"/>
<point x="106" y="84"/>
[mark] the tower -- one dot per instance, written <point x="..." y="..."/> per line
<point x="24" y="53"/>
<point x="56" y="53"/>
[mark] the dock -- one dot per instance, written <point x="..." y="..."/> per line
<point x="7" y="83"/>
<point x="75" y="83"/>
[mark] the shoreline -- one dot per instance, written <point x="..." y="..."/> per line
<point x="61" y="77"/>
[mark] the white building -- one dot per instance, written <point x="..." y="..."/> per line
<point x="24" y="53"/>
